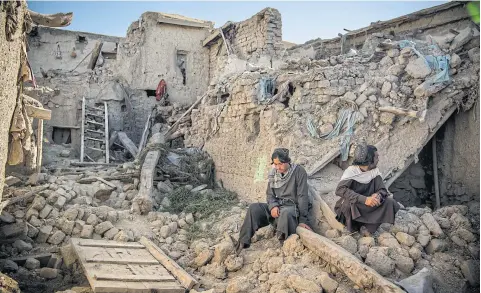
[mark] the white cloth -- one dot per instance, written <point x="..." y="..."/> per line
<point x="355" y="173"/>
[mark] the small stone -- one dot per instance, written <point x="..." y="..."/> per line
<point x="350" y="96"/>
<point x="432" y="225"/>
<point x="424" y="239"/>
<point x="45" y="212"/>
<point x="465" y="235"/>
<point x="32" y="263"/>
<point x="274" y="264"/>
<point x="7" y="217"/>
<point x="165" y="231"/>
<point x="199" y="188"/>
<point x="326" y="128"/>
<point x="43" y="234"/>
<point x="233" y="263"/>
<point x="173" y="227"/>
<point x="436" y="245"/>
<point x="32" y="231"/>
<point x="387" y="118"/>
<point x="361" y="99"/>
<point x="333" y="233"/>
<point x="348" y="243"/>
<point x="386" y="88"/>
<point x="10" y="266"/>
<point x="455" y="60"/>
<point x="164" y="187"/>
<point x="328" y="284"/>
<point x="112" y="216"/>
<point x="110" y="234"/>
<point x="56" y="238"/>
<point x="378" y="259"/>
<point x="87" y="232"/>
<point x="48" y="273"/>
<point x="21" y="246"/>
<point x="418" y="68"/>
<point x="415" y="253"/>
<point x="221" y="251"/>
<point x="38" y="203"/>
<point x="67" y="227"/>
<point x="71" y="214"/>
<point x="301" y="284"/>
<point x="405" y="239"/>
<point x="103" y="227"/>
<point x="203" y="258"/>
<point x="422" y="282"/>
<point x="387" y="240"/>
<point x="189" y="218"/>
<point x="92" y="220"/>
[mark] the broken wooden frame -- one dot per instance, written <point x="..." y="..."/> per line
<point x="51" y="20"/>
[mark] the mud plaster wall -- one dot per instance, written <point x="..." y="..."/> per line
<point x="43" y="44"/>
<point x="459" y="158"/>
<point x="259" y="37"/>
<point x="9" y="66"/>
<point x="149" y="54"/>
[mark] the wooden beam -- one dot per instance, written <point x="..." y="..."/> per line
<point x="323" y="163"/>
<point x="143" y="140"/>
<point x="174" y="126"/>
<point x="107" y="148"/>
<point x="360" y="274"/>
<point x="83" y="164"/>
<point x="326" y="211"/>
<point x="106" y="182"/>
<point x="122" y="261"/>
<point x="421" y="115"/>
<point x="182" y="276"/>
<point x="27" y="195"/>
<point x="39" y="145"/>
<point x="51" y="20"/>
<point x="435" y="172"/>
<point x="132" y="278"/>
<point x="95" y="55"/>
<point x="39" y="113"/>
<point x="82" y="134"/>
<point x="127" y="143"/>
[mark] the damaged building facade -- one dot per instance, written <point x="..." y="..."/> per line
<point x="176" y="85"/>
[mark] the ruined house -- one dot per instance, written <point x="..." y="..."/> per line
<point x="409" y="85"/>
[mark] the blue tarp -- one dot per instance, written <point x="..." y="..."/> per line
<point x="266" y="89"/>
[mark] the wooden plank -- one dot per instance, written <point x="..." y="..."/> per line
<point x="83" y="164"/>
<point x="94" y="139"/>
<point x="106" y="182"/>
<point x="96" y="149"/>
<point x="95" y="55"/>
<point x="143" y="140"/>
<point x="95" y="115"/>
<point x="94" y="122"/>
<point x="39" y="145"/>
<point x="51" y="20"/>
<point x="95" y="131"/>
<point x="127" y="143"/>
<point x="174" y="126"/>
<point x="22" y="197"/>
<point x="82" y="126"/>
<point x="323" y="163"/>
<point x="326" y="211"/>
<point x="133" y="278"/>
<point x="122" y="261"/>
<point x="107" y="155"/>
<point x="184" y="278"/>
<point x="95" y="108"/>
<point x="362" y="275"/>
<point x="39" y="113"/>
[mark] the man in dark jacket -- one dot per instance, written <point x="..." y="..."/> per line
<point x="287" y="201"/>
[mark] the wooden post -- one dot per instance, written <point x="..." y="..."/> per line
<point x="144" y="134"/>
<point x="39" y="145"/>
<point x="82" y="134"/>
<point x="225" y="41"/>
<point x="174" y="126"/>
<point x="95" y="55"/>
<point x="106" y="134"/>
<point x="435" y="172"/>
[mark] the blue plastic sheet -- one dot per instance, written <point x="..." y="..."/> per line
<point x="266" y="89"/>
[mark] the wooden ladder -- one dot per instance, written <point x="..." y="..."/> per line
<point x="95" y="131"/>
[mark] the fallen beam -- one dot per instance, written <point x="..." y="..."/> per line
<point x="325" y="160"/>
<point x="328" y="214"/>
<point x="83" y="164"/>
<point x="39" y="113"/>
<point x="127" y="143"/>
<point x="174" y="126"/>
<point x="421" y="115"/>
<point x="95" y="55"/>
<point x="362" y="275"/>
<point x="27" y="195"/>
<point x="185" y="279"/>
<point x="124" y="178"/>
<point x="51" y="20"/>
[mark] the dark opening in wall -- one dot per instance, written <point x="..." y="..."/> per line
<point x="150" y="93"/>
<point x="182" y="64"/>
<point x="81" y="39"/>
<point x="123" y="108"/>
<point x="61" y="135"/>
<point x="224" y="97"/>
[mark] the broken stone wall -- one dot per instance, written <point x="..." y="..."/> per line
<point x="153" y="51"/>
<point x="11" y="44"/>
<point x="59" y="49"/>
<point x="237" y="129"/>
<point x="255" y="40"/>
<point x="367" y="38"/>
<point x="458" y="157"/>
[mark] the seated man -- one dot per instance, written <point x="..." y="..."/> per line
<point x="287" y="201"/>
<point x="364" y="198"/>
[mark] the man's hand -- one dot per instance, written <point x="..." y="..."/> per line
<point x="305" y="226"/>
<point x="372" y="201"/>
<point x="275" y="212"/>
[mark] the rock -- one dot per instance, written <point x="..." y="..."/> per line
<point x="92" y="220"/>
<point x="112" y="216"/>
<point x="387" y="118"/>
<point x="164" y="187"/>
<point x="274" y="264"/>
<point x="458" y="241"/>
<point x="203" y="258"/>
<point x="22" y="246"/>
<point x="436" y="245"/>
<point x="415" y="253"/>
<point x="348" y="243"/>
<point x="333" y="233"/>
<point x="32" y="263"/>
<point x="189" y="218"/>
<point x="292" y="245"/>
<point x="455" y="60"/>
<point x="301" y="284"/>
<point x="122" y="236"/>
<point x="328" y="284"/>
<point x="43" y="234"/>
<point x="9" y="266"/>
<point x="386" y="88"/>
<point x="395" y="70"/>
<point x="432" y="225"/>
<point x="71" y="214"/>
<point x="67" y="227"/>
<point x="48" y="273"/>
<point x="364" y="244"/>
<point x="87" y="231"/>
<point x="103" y="227"/>
<point x="418" y="183"/>
<point x="233" y="263"/>
<point x="418" y="68"/>
<point x="361" y="99"/>
<point x="110" y="234"/>
<point x="465" y="235"/>
<point x="405" y="239"/>
<point x="459" y="221"/>
<point x="462" y="38"/>
<point x="378" y="259"/>
<point x="422" y="282"/>
<point x="165" y="231"/>
<point x="182" y="223"/>
<point x="199" y="188"/>
<point x="386" y="61"/>
<point x="60" y="202"/>
<point x="350" y="96"/>
<point x="45" y="212"/>
<point x="216" y="270"/>
<point x="239" y="285"/>
<point x="387" y="240"/>
<point x="443" y="222"/>
<point x="38" y="203"/>
<point x="7" y="217"/>
<point x="474" y="55"/>
<point x="32" y="231"/>
<point x="402" y="260"/>
<point x="424" y="239"/>
<point x="56" y="238"/>
<point x="470" y="269"/>
<point x="221" y="251"/>
<point x="173" y="227"/>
